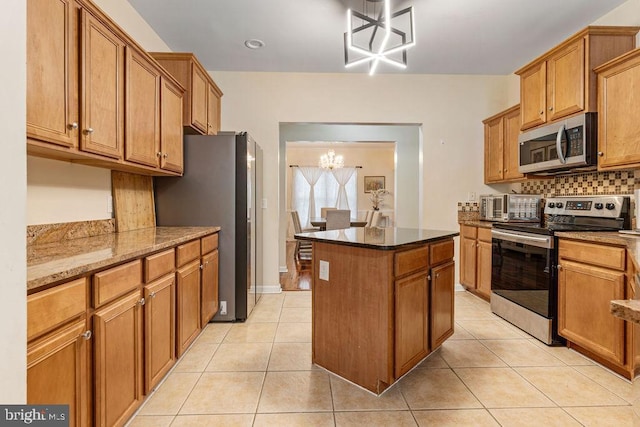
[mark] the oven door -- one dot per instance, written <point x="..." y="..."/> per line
<point x="523" y="270"/>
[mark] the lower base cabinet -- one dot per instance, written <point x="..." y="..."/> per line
<point x="442" y="303"/>
<point x="412" y="323"/>
<point x="188" y="305"/>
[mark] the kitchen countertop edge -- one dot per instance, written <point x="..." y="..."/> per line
<point x="327" y="237"/>
<point x="51" y="264"/>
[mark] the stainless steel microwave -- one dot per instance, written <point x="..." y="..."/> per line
<point x="561" y="146"/>
<point x="510" y="207"/>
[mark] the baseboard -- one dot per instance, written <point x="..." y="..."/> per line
<point x="459" y="288"/>
<point x="269" y="289"/>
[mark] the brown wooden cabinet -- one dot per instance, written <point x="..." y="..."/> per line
<point x="93" y="93"/>
<point x="201" y="112"/>
<point x="501" y="146"/>
<point x="589" y="277"/>
<point x="561" y="82"/>
<point x="442" y="312"/>
<point x="475" y="259"/>
<point x="618" y="128"/>
<point x="209" y="281"/>
<point x="188" y="286"/>
<point x="412" y="321"/>
<point x="171" y="145"/>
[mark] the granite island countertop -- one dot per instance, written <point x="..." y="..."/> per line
<point x="390" y="238"/>
<point x="50" y="263"/>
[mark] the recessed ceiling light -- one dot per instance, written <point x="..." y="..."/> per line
<point x="254" y="43"/>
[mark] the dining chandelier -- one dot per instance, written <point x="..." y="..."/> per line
<point x="376" y="35"/>
<point x="331" y="160"/>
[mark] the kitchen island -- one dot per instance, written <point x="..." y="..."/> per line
<point x="382" y="300"/>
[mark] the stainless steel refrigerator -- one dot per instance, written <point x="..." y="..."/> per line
<point x="221" y="186"/>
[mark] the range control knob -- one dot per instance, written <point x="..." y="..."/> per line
<point x="552" y="205"/>
<point x="598" y="206"/>
<point x="610" y="206"/>
<point x="559" y="205"/>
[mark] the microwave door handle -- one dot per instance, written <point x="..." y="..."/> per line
<point x="561" y="156"/>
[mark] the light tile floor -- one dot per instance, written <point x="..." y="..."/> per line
<point x="489" y="373"/>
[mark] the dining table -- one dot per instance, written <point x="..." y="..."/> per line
<point x="322" y="222"/>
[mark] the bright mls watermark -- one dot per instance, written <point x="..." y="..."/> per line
<point x="36" y="415"/>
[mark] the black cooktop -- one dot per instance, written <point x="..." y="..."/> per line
<point x="550" y="229"/>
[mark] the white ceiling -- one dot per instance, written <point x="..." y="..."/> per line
<point x="452" y="36"/>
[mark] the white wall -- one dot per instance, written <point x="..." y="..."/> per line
<point x="13" y="264"/>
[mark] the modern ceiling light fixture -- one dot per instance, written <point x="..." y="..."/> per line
<point x="381" y="36"/>
<point x="254" y="44"/>
<point x="331" y="161"/>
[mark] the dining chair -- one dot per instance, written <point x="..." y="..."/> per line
<point x="302" y="251"/>
<point x="338" y="219"/>
<point x="376" y="218"/>
<point x="323" y="211"/>
<point x="369" y="217"/>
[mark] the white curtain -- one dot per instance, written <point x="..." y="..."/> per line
<point x="308" y="200"/>
<point x="342" y="176"/>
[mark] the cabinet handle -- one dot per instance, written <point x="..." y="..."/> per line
<point x="73" y="125"/>
<point x="86" y="336"/>
<point x="88" y="131"/>
<point x="600" y="153"/>
<point x="152" y="294"/>
<point x="141" y="301"/>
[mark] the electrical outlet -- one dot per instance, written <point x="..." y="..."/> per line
<point x="324" y="270"/>
<point x="472" y="196"/>
<point x="223" y="308"/>
<point x="264" y="203"/>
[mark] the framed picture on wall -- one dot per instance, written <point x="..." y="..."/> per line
<point x="373" y="183"/>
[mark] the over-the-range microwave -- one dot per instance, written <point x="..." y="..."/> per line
<point x="566" y="146"/>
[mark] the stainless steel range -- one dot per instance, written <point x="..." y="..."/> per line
<point x="524" y="284"/>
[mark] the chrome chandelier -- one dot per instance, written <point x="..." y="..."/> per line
<point x="376" y="36"/>
<point x="331" y="160"/>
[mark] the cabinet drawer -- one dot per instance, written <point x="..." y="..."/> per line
<point x="589" y="253"/>
<point x="159" y="264"/>
<point x="47" y="309"/>
<point x="484" y="234"/>
<point x="412" y="260"/>
<point x="187" y="252"/>
<point x="440" y="252"/>
<point x="209" y="243"/>
<point x="469" y="231"/>
<point x="112" y="283"/>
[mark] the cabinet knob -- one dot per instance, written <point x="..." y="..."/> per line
<point x="437" y="275"/>
<point x="141" y="301"/>
<point x="541" y="112"/>
<point x="73" y="125"/>
<point x="506" y="170"/>
<point x="550" y="108"/>
<point x="88" y="131"/>
<point x="559" y="267"/>
<point x="152" y="294"/>
<point x="429" y="277"/>
<point x="159" y="154"/>
<point x="499" y="170"/>
<point x="165" y="155"/>
<point x="86" y="336"/>
<point x="600" y="153"/>
<point x="201" y="266"/>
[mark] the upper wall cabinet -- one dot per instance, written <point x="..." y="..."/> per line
<point x="561" y="82"/>
<point x="501" y="147"/>
<point x="93" y="94"/>
<point x="618" y="106"/>
<point x="201" y="112"/>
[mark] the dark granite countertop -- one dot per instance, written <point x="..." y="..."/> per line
<point x="49" y="263"/>
<point x="376" y="237"/>
<point x="478" y="223"/>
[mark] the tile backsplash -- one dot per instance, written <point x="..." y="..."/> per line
<point x="583" y="184"/>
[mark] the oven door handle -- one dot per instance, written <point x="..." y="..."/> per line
<point x="519" y="238"/>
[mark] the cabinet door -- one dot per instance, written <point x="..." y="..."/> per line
<point x="584" y="316"/>
<point x="171" y="127"/>
<point x="58" y="372"/>
<point x="118" y="360"/>
<point x="213" y="115"/>
<point x="412" y="328"/>
<point x="199" y="94"/>
<point x="143" y="110"/>
<point x="468" y="262"/>
<point x="533" y="96"/>
<point x="493" y="149"/>
<point x="52" y="87"/>
<point x="511" y="147"/>
<point x="159" y="327"/>
<point x="565" y="81"/>
<point x="618" y="130"/>
<point x="442" y="305"/>
<point x="209" y="292"/>
<point x="188" y="305"/>
<point x="102" y="89"/>
<point x="483" y="278"/>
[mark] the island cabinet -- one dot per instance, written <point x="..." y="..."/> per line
<point x="201" y="113"/>
<point x="562" y="82"/>
<point x="378" y="310"/>
<point x="618" y="102"/>
<point x="58" y="366"/>
<point x="501" y="146"/>
<point x="92" y="92"/>
<point x="475" y="259"/>
<point x="590" y="276"/>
